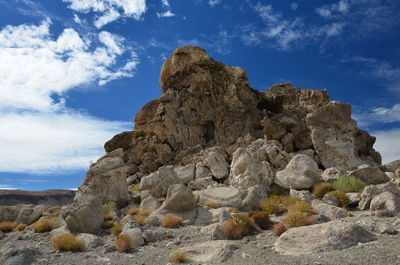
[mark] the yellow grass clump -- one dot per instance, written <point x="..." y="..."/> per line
<point x="238" y="226"/>
<point x="107" y="225"/>
<point x="7" y="226"/>
<point x="57" y="212"/>
<point x="296" y="219"/>
<point x="279" y="229"/>
<point x="261" y="219"/>
<point x="213" y="205"/>
<point x="137" y="187"/>
<point x="141" y="216"/>
<point x="302" y="207"/>
<point x="44" y="225"/>
<point x="179" y="256"/>
<point x="320" y="189"/>
<point x="133" y="211"/>
<point x="124" y="243"/>
<point x="172" y="221"/>
<point x="341" y="196"/>
<point x="67" y="242"/>
<point x="110" y="215"/>
<point x="116" y="229"/>
<point x="21" y="227"/>
<point x="278" y="204"/>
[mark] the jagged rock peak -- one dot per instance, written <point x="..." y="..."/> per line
<point x="205" y="103"/>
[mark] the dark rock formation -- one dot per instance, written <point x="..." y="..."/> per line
<point x="48" y="197"/>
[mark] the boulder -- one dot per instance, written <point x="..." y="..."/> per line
<point x="185" y="174"/>
<point x="202" y="171"/>
<point x="30" y="214"/>
<point x="246" y="171"/>
<point x="305" y="195"/>
<point x="301" y="173"/>
<point x="150" y="203"/>
<point x="9" y="213"/>
<point x="330" y="199"/>
<point x="201" y="183"/>
<point x="222" y="196"/>
<point x="255" y="195"/>
<point x="12" y="255"/>
<point x="330" y="211"/>
<point x="154" y="235"/>
<point x="209" y="252"/>
<point x="206" y="216"/>
<point x="84" y="214"/>
<point x="215" y="159"/>
<point x="90" y="241"/>
<point x="371" y="191"/>
<point x="370" y="175"/>
<point x="392" y="166"/>
<point x="331" y="174"/>
<point x="159" y="181"/>
<point x="107" y="179"/>
<point x="135" y="235"/>
<point x="386" y="203"/>
<point x="334" y="235"/>
<point x="354" y="199"/>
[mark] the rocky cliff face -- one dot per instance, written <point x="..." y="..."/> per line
<point x="205" y="103"/>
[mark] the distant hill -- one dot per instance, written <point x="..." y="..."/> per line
<point x="49" y="197"/>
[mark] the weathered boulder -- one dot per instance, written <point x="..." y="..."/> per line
<point x="215" y="159"/>
<point x="370" y="175"/>
<point x="305" y="195"/>
<point x="202" y="183"/>
<point x="354" y="199"/>
<point x="159" y="181"/>
<point x="89" y="240"/>
<point x="334" y="235"/>
<point x="255" y="195"/>
<point x="301" y="173"/>
<point x="209" y="252"/>
<point x="371" y="191"/>
<point x="150" y="203"/>
<point x="185" y="174"/>
<point x="222" y="196"/>
<point x="330" y="199"/>
<point x="11" y="255"/>
<point x="107" y="179"/>
<point x="330" y="211"/>
<point x="386" y="203"/>
<point x="392" y="166"/>
<point x="84" y="214"/>
<point x="135" y="236"/>
<point x="10" y="213"/>
<point x="30" y="214"/>
<point x="331" y="174"/>
<point x="246" y="171"/>
<point x="206" y="216"/>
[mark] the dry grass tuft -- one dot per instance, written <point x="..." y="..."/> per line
<point x="179" y="256"/>
<point x="107" y="225"/>
<point x="7" y="226"/>
<point x="213" y="205"/>
<point x="279" y="229"/>
<point x="161" y="199"/>
<point x="238" y="226"/>
<point x="261" y="219"/>
<point x="21" y="227"/>
<point x="124" y="243"/>
<point x="278" y="204"/>
<point x="320" y="189"/>
<point x="296" y="219"/>
<point x="57" y="212"/>
<point x="172" y="221"/>
<point x="302" y="207"/>
<point x="133" y="211"/>
<point x="342" y="197"/>
<point x="141" y="216"/>
<point x="44" y="225"/>
<point x="67" y="242"/>
<point x="110" y="215"/>
<point x="233" y="210"/>
<point x="116" y="229"/>
<point x="137" y="187"/>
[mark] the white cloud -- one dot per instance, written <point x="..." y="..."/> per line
<point x="110" y="10"/>
<point x="34" y="66"/>
<point x="388" y="144"/>
<point x="39" y="134"/>
<point x="342" y="7"/>
<point x="214" y="2"/>
<point x="294" y="6"/>
<point x="166" y="14"/>
<point x="165" y="3"/>
<point x="376" y="115"/>
<point x="38" y="143"/>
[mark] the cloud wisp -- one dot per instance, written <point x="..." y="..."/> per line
<point x="39" y="134"/>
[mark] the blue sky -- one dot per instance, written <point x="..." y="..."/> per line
<point x="74" y="72"/>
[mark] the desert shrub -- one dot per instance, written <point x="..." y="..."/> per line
<point x="110" y="215"/>
<point x="341" y="196"/>
<point x="7" y="226"/>
<point x="107" y="225"/>
<point x="233" y="210"/>
<point x="141" y="216"/>
<point x="137" y="187"/>
<point x="302" y="207"/>
<point x="124" y="243"/>
<point x="179" y="256"/>
<point x="44" y="225"/>
<point x="116" y="229"/>
<point x="238" y="226"/>
<point x="320" y="189"/>
<point x="213" y="205"/>
<point x="108" y="207"/>
<point x="278" y="193"/>
<point x="296" y="219"/>
<point x="133" y="211"/>
<point x="171" y="221"/>
<point x="278" y="204"/>
<point x="67" y="242"/>
<point x="21" y="227"/>
<point x="279" y="229"/>
<point x="349" y="184"/>
<point x="261" y="219"/>
<point x="57" y="212"/>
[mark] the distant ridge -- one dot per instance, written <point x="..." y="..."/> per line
<point x="49" y="197"/>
